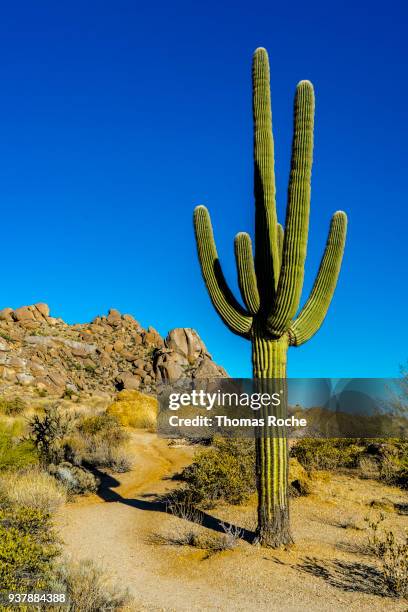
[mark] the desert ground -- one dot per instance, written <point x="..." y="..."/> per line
<point x="126" y="528"/>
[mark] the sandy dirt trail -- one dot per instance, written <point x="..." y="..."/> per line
<point x="115" y="530"/>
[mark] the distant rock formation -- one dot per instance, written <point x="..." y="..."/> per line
<point x="113" y="352"/>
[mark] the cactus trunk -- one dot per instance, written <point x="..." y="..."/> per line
<point x="269" y="370"/>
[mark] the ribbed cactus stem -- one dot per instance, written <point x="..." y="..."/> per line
<point x="246" y="272"/>
<point x="224" y="302"/>
<point x="269" y="370"/>
<point x="297" y="213"/>
<point x="266" y="252"/>
<point x="314" y="311"/>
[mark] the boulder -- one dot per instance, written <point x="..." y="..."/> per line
<point x="79" y="349"/>
<point x="126" y="380"/>
<point x="23" y="313"/>
<point x="114" y="317"/>
<point x="17" y="363"/>
<point x="170" y="366"/>
<point x="43" y="309"/>
<point x="118" y="346"/>
<point x="29" y="324"/>
<point x="209" y="369"/>
<point x="8" y="374"/>
<point x="186" y="342"/>
<point x="40" y="340"/>
<point x="152" y="338"/>
<point x="24" y="379"/>
<point x="6" y="314"/>
<point x="58" y="379"/>
<point x="37" y="370"/>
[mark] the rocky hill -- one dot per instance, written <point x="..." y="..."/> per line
<point x="45" y="355"/>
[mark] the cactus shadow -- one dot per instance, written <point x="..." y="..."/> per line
<point x="347" y="576"/>
<point x="154" y="503"/>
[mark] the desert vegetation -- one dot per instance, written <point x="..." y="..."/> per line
<point x="222" y="476"/>
<point x="47" y="456"/>
<point x="205" y="513"/>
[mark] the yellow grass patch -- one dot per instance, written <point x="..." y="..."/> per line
<point x="135" y="409"/>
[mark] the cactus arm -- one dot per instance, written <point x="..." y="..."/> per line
<point x="281" y="235"/>
<point x="314" y="311"/>
<point x="230" y="311"/>
<point x="266" y="251"/>
<point x="246" y="272"/>
<point x="297" y="215"/>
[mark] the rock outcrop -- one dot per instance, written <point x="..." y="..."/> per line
<point x="114" y="352"/>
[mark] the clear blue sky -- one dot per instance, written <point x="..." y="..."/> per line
<point x="117" y="118"/>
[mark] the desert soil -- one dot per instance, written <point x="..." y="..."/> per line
<point x="327" y="569"/>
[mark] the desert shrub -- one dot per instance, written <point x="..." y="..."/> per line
<point x="12" y="406"/>
<point x="101" y="454"/>
<point x="224" y="472"/>
<point x="99" y="443"/>
<point x="32" y="488"/>
<point x="394" y="470"/>
<point x="193" y="535"/>
<point x="299" y="480"/>
<point x="327" y="454"/>
<point x="179" y="535"/>
<point x="375" y="540"/>
<point x="102" y="424"/>
<point x="230" y="538"/>
<point x="135" y="409"/>
<point x="368" y="467"/>
<point x="76" y="480"/>
<point x="68" y="393"/>
<point x="182" y="503"/>
<point x="14" y="453"/>
<point x="391" y="457"/>
<point x="393" y="555"/>
<point x="70" y="446"/>
<point x="89" y="588"/>
<point x="48" y="431"/>
<point x="395" y="564"/>
<point x="6" y="336"/>
<point x="27" y="549"/>
<point x="120" y="461"/>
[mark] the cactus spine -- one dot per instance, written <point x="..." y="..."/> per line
<point x="271" y="281"/>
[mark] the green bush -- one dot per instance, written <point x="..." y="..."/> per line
<point x="103" y="425"/>
<point x="385" y="460"/>
<point x="224" y="472"/>
<point x="12" y="406"/>
<point x="27" y="549"/>
<point x="327" y="454"/>
<point x="15" y="454"/>
<point x="392" y="458"/>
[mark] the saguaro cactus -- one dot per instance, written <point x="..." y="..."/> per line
<point x="271" y="282"/>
